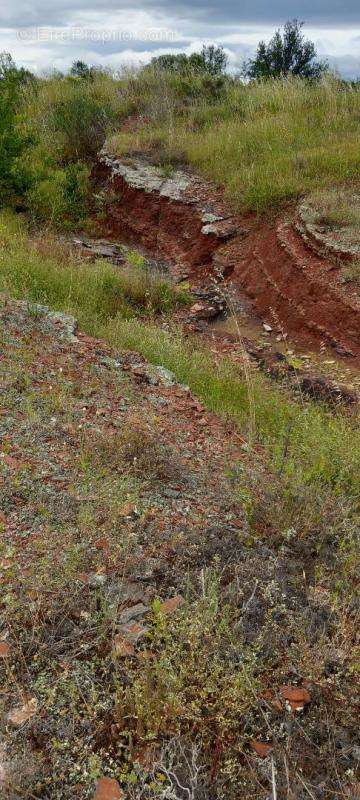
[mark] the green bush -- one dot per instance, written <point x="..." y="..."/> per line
<point x="66" y="121"/>
<point x="71" y="118"/>
<point x="12" y="141"/>
<point x="60" y="198"/>
<point x="81" y="122"/>
<point x="201" y="681"/>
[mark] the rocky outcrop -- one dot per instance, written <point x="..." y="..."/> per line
<point x="175" y="218"/>
<point x="187" y="222"/>
<point x="291" y="285"/>
<point x="337" y="243"/>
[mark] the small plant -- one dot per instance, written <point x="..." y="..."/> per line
<point x="351" y="273"/>
<point x="337" y="208"/>
<point x="136" y="449"/>
<point x="167" y="170"/>
<point x="135" y="259"/>
<point x="200" y="682"/>
<point x="34" y="311"/>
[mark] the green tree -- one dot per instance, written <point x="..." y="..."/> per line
<point x="287" y="53"/>
<point x="214" y="59"/>
<point x="170" y="62"/>
<point x="12" y="142"/>
<point x="211" y="60"/>
<point x="81" y="70"/>
<point x="11" y="73"/>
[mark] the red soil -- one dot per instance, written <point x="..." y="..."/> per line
<point x="268" y="261"/>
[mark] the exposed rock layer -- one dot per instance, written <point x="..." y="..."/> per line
<point x="187" y="222"/>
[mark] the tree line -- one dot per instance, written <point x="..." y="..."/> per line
<point x="287" y="53"/>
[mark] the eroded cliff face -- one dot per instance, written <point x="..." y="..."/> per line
<point x="174" y="218"/>
<point x="188" y="223"/>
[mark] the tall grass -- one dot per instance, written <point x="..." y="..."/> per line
<point x="69" y="119"/>
<point x="42" y="272"/>
<point x="65" y="122"/>
<point x="267" y="143"/>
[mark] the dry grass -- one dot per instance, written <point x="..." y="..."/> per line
<point x="338" y="209"/>
<point x="137" y="449"/>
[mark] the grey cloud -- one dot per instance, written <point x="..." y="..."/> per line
<point x="238" y="24"/>
<point x="348" y="66"/>
<point x="101" y="49"/>
<point x="227" y="12"/>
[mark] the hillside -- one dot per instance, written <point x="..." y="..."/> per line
<point x="180" y="446"/>
<point x="143" y="602"/>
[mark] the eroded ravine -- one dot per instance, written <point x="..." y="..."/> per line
<point x="188" y="223"/>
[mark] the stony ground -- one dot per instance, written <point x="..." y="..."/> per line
<point x="150" y="644"/>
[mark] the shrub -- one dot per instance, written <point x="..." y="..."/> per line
<point x="293" y="507"/>
<point x="12" y="141"/>
<point x="60" y="199"/>
<point x="135" y="449"/>
<point x="66" y="121"/>
<point x="201" y="681"/>
<point x="72" y="117"/>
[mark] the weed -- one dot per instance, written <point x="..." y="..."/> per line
<point x="351" y="273"/>
<point x="135" y="448"/>
<point x="135" y="259"/>
<point x="283" y="503"/>
<point x="192" y="685"/>
<point x="336" y="208"/>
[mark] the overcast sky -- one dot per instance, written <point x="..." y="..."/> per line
<point x="49" y="34"/>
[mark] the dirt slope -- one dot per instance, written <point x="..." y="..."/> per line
<point x="116" y="489"/>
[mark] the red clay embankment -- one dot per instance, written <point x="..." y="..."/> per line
<point x="188" y="223"/>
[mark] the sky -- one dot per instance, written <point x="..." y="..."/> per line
<point x="44" y="35"/>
